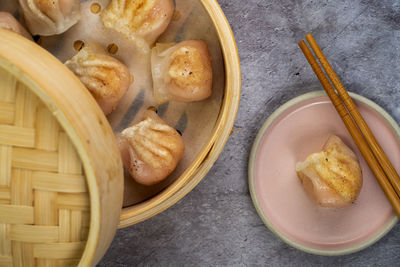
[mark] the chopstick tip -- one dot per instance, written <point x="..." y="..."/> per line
<point x="310" y="38"/>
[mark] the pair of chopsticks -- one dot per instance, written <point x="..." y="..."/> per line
<point x="372" y="152"/>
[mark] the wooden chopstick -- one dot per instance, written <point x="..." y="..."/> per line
<point x="367" y="153"/>
<point x="358" y="119"/>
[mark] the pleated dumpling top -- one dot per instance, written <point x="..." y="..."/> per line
<point x="49" y="17"/>
<point x="181" y="72"/>
<point x="150" y="149"/>
<point x="332" y="177"/>
<point x="104" y="76"/>
<point x="142" y="21"/>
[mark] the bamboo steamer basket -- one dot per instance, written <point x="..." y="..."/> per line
<point x="61" y="176"/>
<point x="214" y="145"/>
<point x="60" y="168"/>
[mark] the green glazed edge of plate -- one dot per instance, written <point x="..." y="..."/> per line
<point x="254" y="151"/>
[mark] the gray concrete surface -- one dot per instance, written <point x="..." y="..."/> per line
<point x="216" y="224"/>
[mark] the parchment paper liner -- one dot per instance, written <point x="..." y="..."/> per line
<point x="194" y="120"/>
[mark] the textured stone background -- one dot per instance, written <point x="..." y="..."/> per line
<point x="216" y="224"/>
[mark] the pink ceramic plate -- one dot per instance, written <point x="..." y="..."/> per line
<point x="295" y="130"/>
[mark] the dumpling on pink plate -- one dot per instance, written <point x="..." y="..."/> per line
<point x="332" y="177"/>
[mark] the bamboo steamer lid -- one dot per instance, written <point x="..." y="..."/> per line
<point x="61" y="176"/>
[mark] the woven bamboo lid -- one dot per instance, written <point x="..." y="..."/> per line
<point x="61" y="177"/>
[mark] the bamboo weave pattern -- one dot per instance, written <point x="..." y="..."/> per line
<point x="44" y="201"/>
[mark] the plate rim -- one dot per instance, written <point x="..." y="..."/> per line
<point x="254" y="150"/>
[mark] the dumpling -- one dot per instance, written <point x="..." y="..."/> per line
<point x="105" y="77"/>
<point x="181" y="72"/>
<point x="49" y="17"/>
<point x="140" y="20"/>
<point x="8" y="22"/>
<point x="150" y="149"/>
<point x="332" y="177"/>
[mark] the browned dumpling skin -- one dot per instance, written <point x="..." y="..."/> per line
<point x="332" y="177"/>
<point x="8" y="22"/>
<point x="151" y="149"/>
<point x="105" y="77"/>
<point x="49" y="17"/>
<point x="181" y="72"/>
<point x="139" y="19"/>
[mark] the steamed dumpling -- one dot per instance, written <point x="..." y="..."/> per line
<point x="181" y="72"/>
<point x="8" y="22"/>
<point x="139" y="20"/>
<point x="332" y="177"/>
<point x="105" y="77"/>
<point x="49" y="17"/>
<point x="150" y="149"/>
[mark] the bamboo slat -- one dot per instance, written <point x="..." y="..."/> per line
<point x="58" y="250"/>
<point x="5" y="193"/>
<point x="68" y="160"/>
<point x="47" y="130"/>
<point x="34" y="233"/>
<point x="6" y="261"/>
<point x="7" y="87"/>
<point x="22" y="254"/>
<point x="5" y="242"/>
<point x="16" y="136"/>
<point x="46" y="263"/>
<point x="84" y="233"/>
<point x="64" y="225"/>
<point x="26" y="103"/>
<point x="14" y="214"/>
<point x="44" y="201"/>
<point x="76" y="222"/>
<point x="85" y="219"/>
<point x="21" y="187"/>
<point x="6" y="113"/>
<point x="46" y="212"/>
<point x="33" y="159"/>
<point x="73" y="201"/>
<point x="5" y="165"/>
<point x="58" y="182"/>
